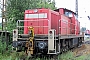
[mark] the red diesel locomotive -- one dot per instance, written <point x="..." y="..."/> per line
<point x="48" y="31"/>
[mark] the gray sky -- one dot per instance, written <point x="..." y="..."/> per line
<point x="83" y="5"/>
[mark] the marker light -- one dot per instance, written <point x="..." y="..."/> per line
<point x="35" y="10"/>
<point x="50" y="32"/>
<point x="14" y="31"/>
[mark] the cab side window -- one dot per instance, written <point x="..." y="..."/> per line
<point x="68" y="13"/>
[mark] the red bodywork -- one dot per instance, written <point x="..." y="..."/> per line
<point x="44" y="19"/>
<point x="71" y="20"/>
<point x="73" y="24"/>
<point x="77" y="27"/>
<point x="65" y="25"/>
<point x="60" y="23"/>
<point x="37" y="19"/>
<point x="87" y="31"/>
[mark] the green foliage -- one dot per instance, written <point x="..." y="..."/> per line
<point x="81" y="58"/>
<point x="66" y="56"/>
<point x="0" y="27"/>
<point x="46" y="4"/>
<point x="70" y="56"/>
<point x="15" y="9"/>
<point x="2" y="47"/>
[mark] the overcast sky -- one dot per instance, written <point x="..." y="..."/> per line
<point x="83" y="5"/>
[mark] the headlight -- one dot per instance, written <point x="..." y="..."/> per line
<point x="19" y="43"/>
<point x="41" y="45"/>
<point x="35" y="10"/>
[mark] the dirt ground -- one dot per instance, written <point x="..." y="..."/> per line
<point x="83" y="50"/>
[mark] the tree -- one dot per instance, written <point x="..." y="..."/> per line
<point x="0" y="26"/>
<point x="15" y="9"/>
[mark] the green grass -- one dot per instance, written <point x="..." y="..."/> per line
<point x="80" y="58"/>
<point x="65" y="56"/>
<point x="87" y="39"/>
<point x="70" y="56"/>
<point x="87" y="57"/>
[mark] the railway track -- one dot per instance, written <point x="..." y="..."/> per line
<point x="84" y="50"/>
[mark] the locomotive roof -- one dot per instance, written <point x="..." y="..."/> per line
<point x="57" y="9"/>
<point x="65" y="9"/>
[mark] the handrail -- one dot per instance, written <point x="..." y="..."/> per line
<point x="66" y="27"/>
<point x="33" y="26"/>
<point x="32" y="20"/>
<point x="37" y="26"/>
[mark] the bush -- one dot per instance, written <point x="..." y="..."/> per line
<point x="2" y="47"/>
